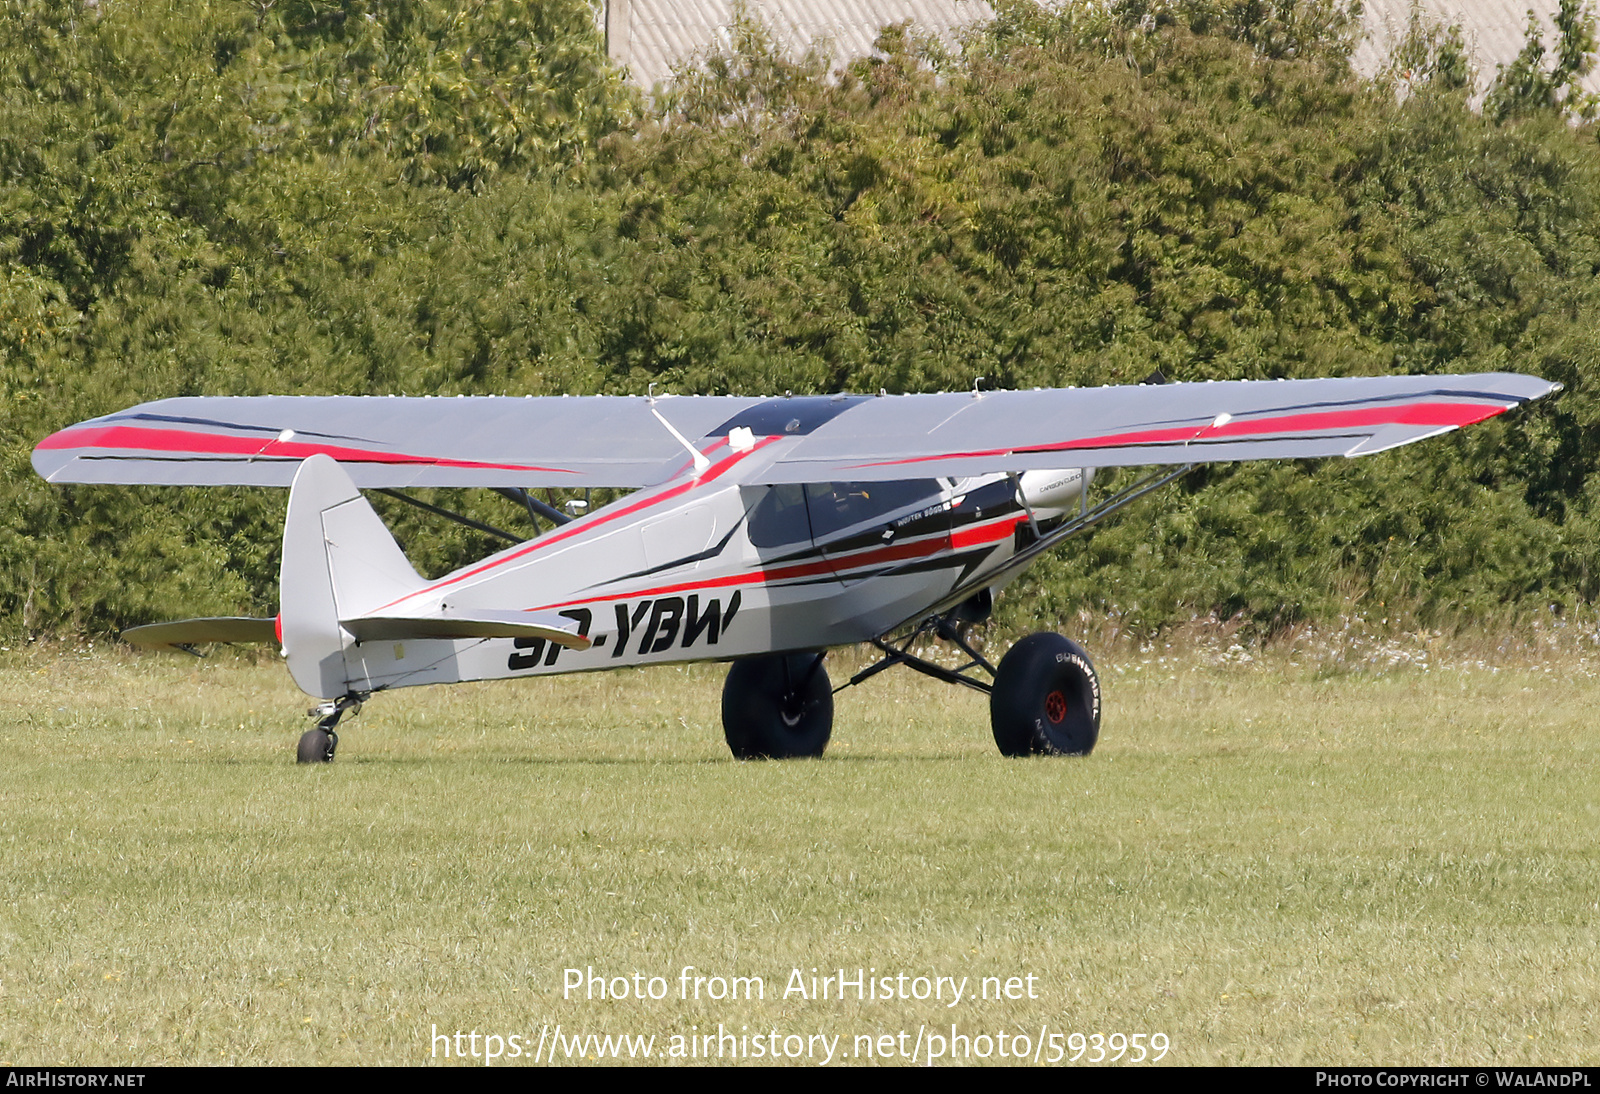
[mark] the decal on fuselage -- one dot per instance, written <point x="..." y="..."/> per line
<point x="658" y="622"/>
<point x="529" y="650"/>
<point x="668" y="615"/>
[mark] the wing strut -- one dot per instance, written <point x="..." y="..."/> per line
<point x="1086" y="519"/>
<point x="946" y="620"/>
<point x="535" y="507"/>
<point x="447" y="514"/>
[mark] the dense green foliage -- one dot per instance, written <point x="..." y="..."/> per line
<point x="225" y="197"/>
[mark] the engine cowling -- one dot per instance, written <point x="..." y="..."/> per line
<point x="1053" y="493"/>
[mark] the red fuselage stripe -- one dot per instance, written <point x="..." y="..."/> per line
<point x="843" y="565"/>
<point x="715" y="471"/>
<point x="984" y="533"/>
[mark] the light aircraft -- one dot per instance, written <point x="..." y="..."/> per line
<point x="761" y="531"/>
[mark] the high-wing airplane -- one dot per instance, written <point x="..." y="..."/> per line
<point x="761" y="531"/>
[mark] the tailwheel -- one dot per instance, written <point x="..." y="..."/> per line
<point x="777" y="707"/>
<point x="318" y="745"/>
<point x="1046" y="699"/>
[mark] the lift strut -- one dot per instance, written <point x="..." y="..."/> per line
<point x="950" y="623"/>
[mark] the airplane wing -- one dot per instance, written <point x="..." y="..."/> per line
<point x="923" y="436"/>
<point x="626" y="440"/>
<point x="386" y="441"/>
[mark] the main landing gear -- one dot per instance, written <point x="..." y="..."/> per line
<point x="318" y="745"/>
<point x="777" y="708"/>
<point x="1044" y="699"/>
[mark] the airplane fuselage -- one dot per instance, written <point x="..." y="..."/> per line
<point x="703" y="568"/>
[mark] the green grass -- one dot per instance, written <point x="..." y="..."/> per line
<point x="1280" y="861"/>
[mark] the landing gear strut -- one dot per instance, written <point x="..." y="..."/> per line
<point x="318" y="745"/>
<point x="1045" y="698"/>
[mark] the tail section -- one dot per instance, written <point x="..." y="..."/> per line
<point x="339" y="562"/>
<point x="342" y="569"/>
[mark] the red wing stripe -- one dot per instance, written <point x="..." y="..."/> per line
<point x="183" y="440"/>
<point x="1450" y="414"/>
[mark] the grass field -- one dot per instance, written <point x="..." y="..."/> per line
<point x="1291" y="857"/>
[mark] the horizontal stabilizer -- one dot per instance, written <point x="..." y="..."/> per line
<point x="486" y="624"/>
<point x="193" y="632"/>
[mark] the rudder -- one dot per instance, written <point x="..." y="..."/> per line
<point x="339" y="561"/>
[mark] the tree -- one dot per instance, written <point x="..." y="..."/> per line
<point x="1531" y="85"/>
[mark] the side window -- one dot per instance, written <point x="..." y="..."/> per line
<point x="779" y="519"/>
<point x="838" y="505"/>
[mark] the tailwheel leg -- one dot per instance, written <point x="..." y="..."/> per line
<point x="318" y="745"/>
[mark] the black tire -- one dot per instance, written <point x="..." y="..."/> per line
<point x="316" y="747"/>
<point x="777" y="708"/>
<point x="1046" y="699"/>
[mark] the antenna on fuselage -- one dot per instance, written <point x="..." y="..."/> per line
<point x="699" y="457"/>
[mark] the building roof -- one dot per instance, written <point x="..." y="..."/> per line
<point x="650" y="37"/>
<point x="1493" y="31"/>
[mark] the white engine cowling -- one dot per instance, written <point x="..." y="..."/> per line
<point x="1053" y="493"/>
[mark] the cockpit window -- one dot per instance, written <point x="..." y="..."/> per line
<point x="779" y="519"/>
<point x="791" y="513"/>
<point x="838" y="505"/>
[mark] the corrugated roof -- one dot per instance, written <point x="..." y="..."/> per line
<point x="650" y="36"/>
<point x="1493" y="30"/>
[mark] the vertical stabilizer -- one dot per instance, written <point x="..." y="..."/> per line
<point x="339" y="561"/>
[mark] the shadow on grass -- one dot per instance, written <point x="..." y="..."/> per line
<point x="409" y="762"/>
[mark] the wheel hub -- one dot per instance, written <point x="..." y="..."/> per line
<point x="1055" y="707"/>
